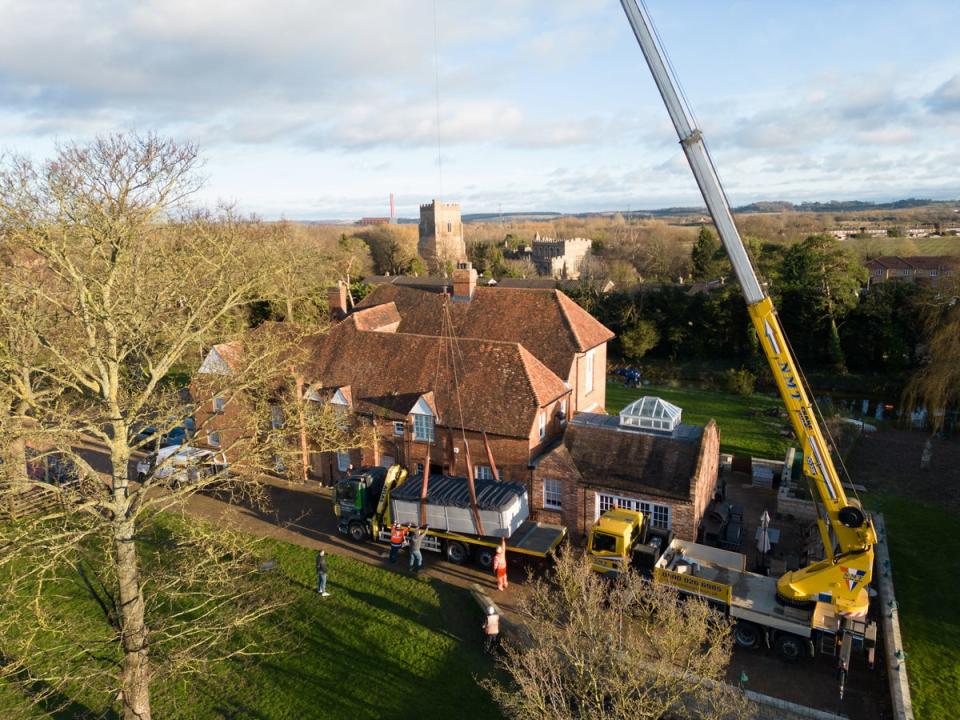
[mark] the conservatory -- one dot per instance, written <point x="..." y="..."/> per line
<point x="651" y="413"/>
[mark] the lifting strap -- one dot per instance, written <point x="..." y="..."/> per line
<point x="423" y="488"/>
<point x="493" y="464"/>
<point x="451" y="452"/>
<point x="473" y="490"/>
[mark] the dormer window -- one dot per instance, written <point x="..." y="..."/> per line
<point x="423" y="428"/>
<point x="543" y="424"/>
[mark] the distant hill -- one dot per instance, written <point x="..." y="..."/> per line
<point x="763" y="206"/>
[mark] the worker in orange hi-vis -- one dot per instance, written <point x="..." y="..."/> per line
<point x="500" y="565"/>
<point x="397" y="535"/>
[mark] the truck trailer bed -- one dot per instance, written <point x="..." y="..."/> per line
<point x="718" y="575"/>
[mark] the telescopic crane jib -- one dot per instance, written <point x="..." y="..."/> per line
<point x="843" y="576"/>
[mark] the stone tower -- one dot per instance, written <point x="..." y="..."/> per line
<point x="441" y="235"/>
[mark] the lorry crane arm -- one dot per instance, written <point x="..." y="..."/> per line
<point x="842" y="577"/>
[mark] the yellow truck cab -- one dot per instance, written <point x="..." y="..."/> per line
<point x="621" y="538"/>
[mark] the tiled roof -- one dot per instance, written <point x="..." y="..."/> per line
<point x="610" y="457"/>
<point x="914" y="262"/>
<point x="384" y="318"/>
<point x="546" y="322"/>
<point x="501" y="385"/>
<point x="933" y="262"/>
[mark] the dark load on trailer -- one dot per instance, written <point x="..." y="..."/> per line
<point x="502" y="505"/>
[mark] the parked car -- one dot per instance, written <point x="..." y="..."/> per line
<point x="631" y="377"/>
<point x="145" y="439"/>
<point x="177" y="465"/>
<point x="175" y="436"/>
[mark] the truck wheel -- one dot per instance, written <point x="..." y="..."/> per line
<point x="484" y="558"/>
<point x="747" y="635"/>
<point x="357" y="532"/>
<point x="456" y="553"/>
<point x="790" y="648"/>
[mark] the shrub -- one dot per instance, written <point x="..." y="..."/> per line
<point x="740" y="381"/>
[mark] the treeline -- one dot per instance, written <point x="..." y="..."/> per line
<point x="816" y="285"/>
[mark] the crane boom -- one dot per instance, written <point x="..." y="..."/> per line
<point x="842" y="577"/>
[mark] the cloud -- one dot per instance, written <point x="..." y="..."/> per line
<point x="946" y="98"/>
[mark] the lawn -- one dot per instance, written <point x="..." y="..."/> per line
<point x="925" y="552"/>
<point x="382" y="645"/>
<point x="744" y="428"/>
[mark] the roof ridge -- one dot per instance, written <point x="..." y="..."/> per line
<point x="567" y="320"/>
<point x="525" y="357"/>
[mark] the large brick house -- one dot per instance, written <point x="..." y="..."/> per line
<point x="525" y="367"/>
<point x="429" y="370"/>
<point x="928" y="269"/>
<point x="551" y="326"/>
<point x="643" y="459"/>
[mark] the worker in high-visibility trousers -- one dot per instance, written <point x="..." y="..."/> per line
<point x="396" y="541"/>
<point x="500" y="565"/>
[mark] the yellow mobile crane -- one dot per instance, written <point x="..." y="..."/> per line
<point x="848" y="535"/>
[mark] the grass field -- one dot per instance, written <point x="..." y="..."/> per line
<point x="906" y="246"/>
<point x="925" y="551"/>
<point x="744" y="429"/>
<point x="382" y="645"/>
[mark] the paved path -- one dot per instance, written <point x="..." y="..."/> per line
<point x="303" y="515"/>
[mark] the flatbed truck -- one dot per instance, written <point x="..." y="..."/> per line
<point x="366" y="510"/>
<point x="750" y="600"/>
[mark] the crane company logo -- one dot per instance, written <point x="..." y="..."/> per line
<point x="852" y="576"/>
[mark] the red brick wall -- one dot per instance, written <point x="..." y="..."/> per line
<point x="704" y="481"/>
<point x="596" y="399"/>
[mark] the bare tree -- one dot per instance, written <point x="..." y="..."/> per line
<point x="118" y="290"/>
<point x="936" y="385"/>
<point x="622" y="649"/>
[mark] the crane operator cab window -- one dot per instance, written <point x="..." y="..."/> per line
<point x="604" y="543"/>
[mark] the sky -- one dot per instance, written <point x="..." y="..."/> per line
<point x="319" y="109"/>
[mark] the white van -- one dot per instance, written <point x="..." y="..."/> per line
<point x="177" y="464"/>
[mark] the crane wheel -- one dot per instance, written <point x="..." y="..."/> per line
<point x="789" y="647"/>
<point x="851" y="516"/>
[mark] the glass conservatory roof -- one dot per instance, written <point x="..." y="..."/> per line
<point x="651" y="413"/>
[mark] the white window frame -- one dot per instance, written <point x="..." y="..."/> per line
<point x="483" y="472"/>
<point x="424" y="428"/>
<point x="419" y="469"/>
<point x="219" y="403"/>
<point x="655" y="512"/>
<point x="563" y="412"/>
<point x="343" y="460"/>
<point x="552" y="494"/>
<point x="213" y="438"/>
<point x="589" y="372"/>
<point x="276" y="417"/>
<point x="543" y="424"/>
<point x="398" y="428"/>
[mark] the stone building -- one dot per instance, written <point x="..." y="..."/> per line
<point x="560" y="258"/>
<point x="644" y="459"/>
<point x="441" y="235"/>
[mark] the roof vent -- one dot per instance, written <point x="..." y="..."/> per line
<point x="651" y="413"/>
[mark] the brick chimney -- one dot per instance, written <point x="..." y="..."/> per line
<point x="337" y="301"/>
<point x="464" y="281"/>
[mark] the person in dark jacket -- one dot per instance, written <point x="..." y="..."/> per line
<point x="415" y="540"/>
<point x="322" y="573"/>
